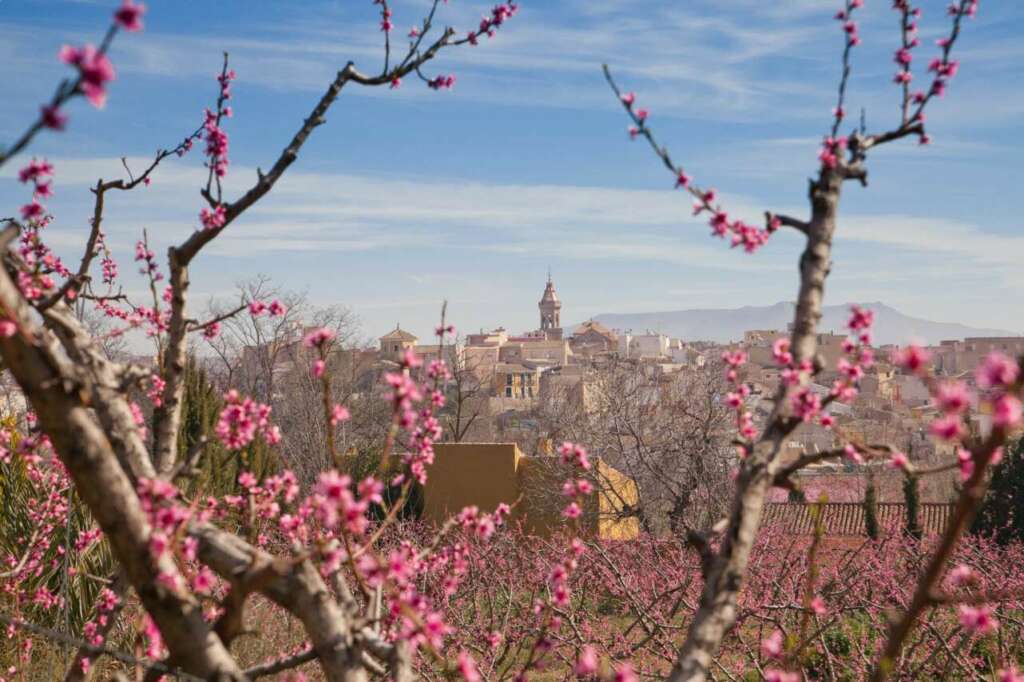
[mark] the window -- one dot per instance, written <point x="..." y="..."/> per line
<point x="396" y="348"/>
<point x="508" y="392"/>
<point x="508" y="379"/>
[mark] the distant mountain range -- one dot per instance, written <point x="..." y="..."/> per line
<point x="723" y="325"/>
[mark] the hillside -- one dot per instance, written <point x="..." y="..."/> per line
<point x="723" y="324"/>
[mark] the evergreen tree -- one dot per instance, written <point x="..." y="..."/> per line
<point x="218" y="468"/>
<point x="912" y="497"/>
<point x="1002" y="511"/>
<point x="871" y="509"/>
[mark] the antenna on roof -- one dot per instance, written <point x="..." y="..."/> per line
<point x="549" y="273"/>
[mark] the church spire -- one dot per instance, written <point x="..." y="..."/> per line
<point x="550" y="307"/>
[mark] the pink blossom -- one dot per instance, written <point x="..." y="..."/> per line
<point x="575" y="454"/>
<point x="912" y="358"/>
<point x="734" y="359"/>
<point x="1006" y="411"/>
<point x="214" y="219"/>
<point x="339" y="413"/>
<point x="860" y="318"/>
<point x="965" y="460"/>
<point x="961" y="575"/>
<point x="624" y="673"/>
<point x="32" y="211"/>
<point x="806" y="404"/>
<point x="628" y="98"/>
<point x="129" y="15"/>
<point x="35" y="171"/>
<point x="52" y="118"/>
<point x="8" y="328"/>
<point x="776" y="675"/>
<point x="852" y="453"/>
<point x="978" y="620"/>
<point x="442" y="82"/>
<point x="586" y="664"/>
<point x="318" y="368"/>
<point x="242" y="420"/>
<point x="948" y="428"/>
<point x="899" y="460"/>
<point x="953" y="397"/>
<point x="467" y="667"/>
<point x="997" y="371"/>
<point x="780" y="351"/>
<point x="94" y="69"/>
<point x="1010" y="674"/>
<point x="203" y="580"/>
<point x="772" y="645"/>
<point x="318" y="337"/>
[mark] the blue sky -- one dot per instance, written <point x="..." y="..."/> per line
<point x="412" y="196"/>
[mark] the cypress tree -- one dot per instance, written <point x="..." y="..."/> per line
<point x="871" y="509"/>
<point x="912" y="497"/>
<point x="218" y="468"/>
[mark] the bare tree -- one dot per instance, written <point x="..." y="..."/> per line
<point x="467" y="394"/>
<point x="669" y="433"/>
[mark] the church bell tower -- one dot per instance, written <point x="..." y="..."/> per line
<point x="550" y="311"/>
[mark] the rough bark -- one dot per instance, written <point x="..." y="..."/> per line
<point x="83" y="447"/>
<point x="716" y="612"/>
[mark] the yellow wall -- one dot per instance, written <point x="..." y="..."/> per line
<point x="463" y="474"/>
<point x="486" y="474"/>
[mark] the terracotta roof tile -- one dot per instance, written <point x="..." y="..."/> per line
<point x="847" y="518"/>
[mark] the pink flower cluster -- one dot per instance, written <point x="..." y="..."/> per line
<point x="242" y="420"/>
<point x="274" y="309"/>
<point x="129" y="15"/>
<point x="857" y="354"/>
<point x="831" y="151"/>
<point x="334" y="502"/>
<point x="216" y="138"/>
<point x="421" y="426"/>
<point x="212" y="220"/>
<point x="94" y="71"/>
<point x="489" y="24"/>
<point x="576" y="489"/>
<point x="442" y="82"/>
<point x="156" y="390"/>
<point x="147" y="257"/>
<point x="40" y="174"/>
<point x="736" y="398"/>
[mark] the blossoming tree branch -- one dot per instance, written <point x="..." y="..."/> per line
<point x="843" y="158"/>
<point x="169" y="550"/>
